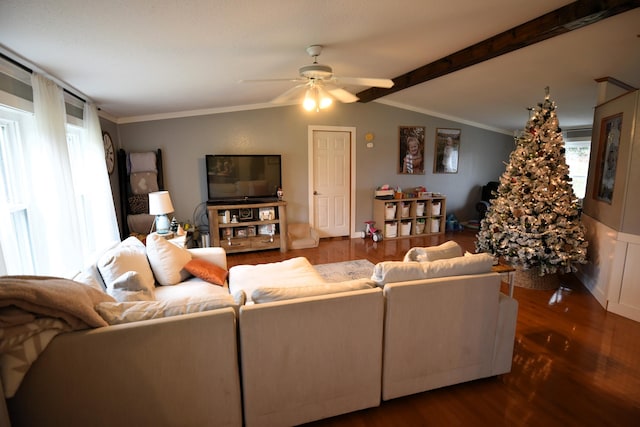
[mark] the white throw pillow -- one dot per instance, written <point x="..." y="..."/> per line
<point x="468" y="264"/>
<point x="131" y="287"/>
<point x="262" y="295"/>
<point x="167" y="260"/>
<point x="128" y="255"/>
<point x="396" y="271"/>
<point x="446" y="250"/>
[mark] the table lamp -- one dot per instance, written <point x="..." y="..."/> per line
<point x="160" y="205"/>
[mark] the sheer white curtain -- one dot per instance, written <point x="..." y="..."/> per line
<point x="100" y="212"/>
<point x="57" y="244"/>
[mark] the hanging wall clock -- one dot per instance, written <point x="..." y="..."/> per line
<point x="109" y="153"/>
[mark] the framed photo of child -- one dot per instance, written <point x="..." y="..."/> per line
<point x="411" y="144"/>
<point x="445" y="159"/>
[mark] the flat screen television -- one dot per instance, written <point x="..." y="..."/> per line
<point x="243" y="177"/>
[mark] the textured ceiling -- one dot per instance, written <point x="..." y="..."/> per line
<point x="148" y="59"/>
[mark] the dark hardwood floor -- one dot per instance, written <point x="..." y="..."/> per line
<point x="574" y="364"/>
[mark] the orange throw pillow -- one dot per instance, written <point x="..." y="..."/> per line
<point x="207" y="271"/>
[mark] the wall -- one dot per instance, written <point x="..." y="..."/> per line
<point x="613" y="229"/>
<point x="621" y="213"/>
<point x="283" y="130"/>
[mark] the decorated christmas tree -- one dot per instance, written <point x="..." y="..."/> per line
<point x="533" y="223"/>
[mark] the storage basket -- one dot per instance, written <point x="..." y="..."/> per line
<point x="419" y="209"/>
<point x="405" y="209"/>
<point x="391" y="229"/>
<point x="435" y="208"/>
<point x="435" y="225"/>
<point x="390" y="211"/>
<point x="531" y="279"/>
<point x="405" y="229"/>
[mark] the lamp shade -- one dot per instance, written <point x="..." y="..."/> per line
<point x="160" y="203"/>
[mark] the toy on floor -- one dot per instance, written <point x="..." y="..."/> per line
<point x="370" y="230"/>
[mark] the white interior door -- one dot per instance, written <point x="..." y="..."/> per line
<point x="331" y="180"/>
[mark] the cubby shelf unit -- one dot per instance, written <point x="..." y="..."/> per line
<point x="410" y="217"/>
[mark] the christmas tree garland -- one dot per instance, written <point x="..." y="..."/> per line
<point x="534" y="220"/>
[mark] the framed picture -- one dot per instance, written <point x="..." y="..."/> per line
<point x="608" y="147"/>
<point x="251" y="230"/>
<point x="445" y="158"/>
<point x="241" y="232"/>
<point x="267" y="214"/>
<point x="245" y="214"/>
<point x="266" y="229"/>
<point x="411" y="145"/>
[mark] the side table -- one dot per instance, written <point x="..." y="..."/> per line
<point x="509" y="271"/>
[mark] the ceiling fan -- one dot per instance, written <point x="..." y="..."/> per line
<point x="320" y="85"/>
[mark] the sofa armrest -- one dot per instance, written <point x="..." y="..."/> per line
<point x="180" y="370"/>
<point x="505" y="334"/>
<point x="214" y="255"/>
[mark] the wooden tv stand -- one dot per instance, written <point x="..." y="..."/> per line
<point x="259" y="226"/>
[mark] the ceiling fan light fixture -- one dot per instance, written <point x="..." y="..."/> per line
<point x="316" y="98"/>
<point x="324" y="99"/>
<point x="309" y="102"/>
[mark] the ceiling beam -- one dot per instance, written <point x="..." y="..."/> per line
<point x="568" y="18"/>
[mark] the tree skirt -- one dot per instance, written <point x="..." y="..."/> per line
<point x="531" y="279"/>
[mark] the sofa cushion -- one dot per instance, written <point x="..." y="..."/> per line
<point x="124" y="312"/>
<point x="131" y="286"/>
<point x="167" y="260"/>
<point x="207" y="271"/>
<point x="289" y="273"/>
<point x="87" y="276"/>
<point x="265" y="294"/>
<point x="190" y="288"/>
<point x="446" y="250"/>
<point x="467" y="264"/>
<point x="128" y="255"/>
<point x="401" y="271"/>
<point x="397" y="271"/>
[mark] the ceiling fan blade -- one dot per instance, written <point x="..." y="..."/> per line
<point x="291" y="79"/>
<point x="341" y="94"/>
<point x="288" y="95"/>
<point x="366" y="81"/>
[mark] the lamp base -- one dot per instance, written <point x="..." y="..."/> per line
<point x="162" y="224"/>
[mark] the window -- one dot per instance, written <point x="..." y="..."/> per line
<point x="83" y="186"/>
<point x="577" y="157"/>
<point x="56" y="206"/>
<point x="16" y="245"/>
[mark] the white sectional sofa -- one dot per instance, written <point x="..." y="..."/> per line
<point x="308" y="349"/>
<point x="446" y="321"/>
<point x="300" y="350"/>
<point x="169" y="370"/>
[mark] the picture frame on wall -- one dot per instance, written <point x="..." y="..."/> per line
<point x="447" y="150"/>
<point x="608" y="147"/>
<point x="411" y="146"/>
